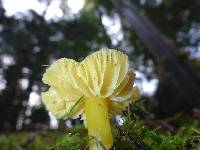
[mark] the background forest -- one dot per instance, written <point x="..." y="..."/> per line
<point x="161" y="38"/>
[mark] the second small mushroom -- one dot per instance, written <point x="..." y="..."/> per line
<point x="96" y="88"/>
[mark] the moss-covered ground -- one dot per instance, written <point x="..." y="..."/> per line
<point x="180" y="132"/>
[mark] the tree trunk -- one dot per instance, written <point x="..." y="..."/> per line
<point x="179" y="87"/>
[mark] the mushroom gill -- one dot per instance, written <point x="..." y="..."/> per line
<point x="96" y="88"/>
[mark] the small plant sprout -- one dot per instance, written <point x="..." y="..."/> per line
<point x="96" y="88"/>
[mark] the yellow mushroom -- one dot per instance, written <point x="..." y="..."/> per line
<point x="96" y="88"/>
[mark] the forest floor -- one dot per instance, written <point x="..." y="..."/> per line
<point x="180" y="132"/>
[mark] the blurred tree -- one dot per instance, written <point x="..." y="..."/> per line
<point x="32" y="43"/>
<point x="179" y="80"/>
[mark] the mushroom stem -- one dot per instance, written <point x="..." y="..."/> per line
<point x="99" y="130"/>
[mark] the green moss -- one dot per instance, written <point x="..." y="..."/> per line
<point x="71" y="142"/>
<point x="74" y="139"/>
<point x="180" y="132"/>
<point x="27" y="140"/>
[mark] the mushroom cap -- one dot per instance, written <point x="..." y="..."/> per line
<point x="103" y="74"/>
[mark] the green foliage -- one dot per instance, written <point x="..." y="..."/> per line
<point x="180" y="132"/>
<point x="73" y="139"/>
<point x="72" y="142"/>
<point x="137" y="133"/>
<point x="150" y="134"/>
<point x="28" y="141"/>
